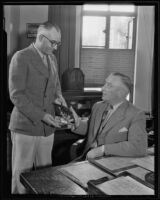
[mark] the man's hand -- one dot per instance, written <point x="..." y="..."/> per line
<point x="61" y="101"/>
<point x="76" y="119"/>
<point x="52" y="121"/>
<point x="95" y="152"/>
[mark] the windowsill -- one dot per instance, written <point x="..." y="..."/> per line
<point x="92" y="89"/>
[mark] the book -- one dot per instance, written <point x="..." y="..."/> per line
<point x="82" y="172"/>
<point x="124" y="185"/>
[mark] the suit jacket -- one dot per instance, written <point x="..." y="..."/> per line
<point x="123" y="134"/>
<point x="32" y="91"/>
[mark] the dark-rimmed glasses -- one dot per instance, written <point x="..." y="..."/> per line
<point x="53" y="42"/>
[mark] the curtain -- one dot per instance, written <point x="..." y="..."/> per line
<point x="144" y="65"/>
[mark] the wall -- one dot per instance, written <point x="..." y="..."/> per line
<point x="16" y="18"/>
<point x="31" y="14"/>
<point x="12" y="16"/>
<point x="144" y="58"/>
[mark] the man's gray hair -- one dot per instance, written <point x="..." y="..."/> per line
<point x="46" y="26"/>
<point x="125" y="80"/>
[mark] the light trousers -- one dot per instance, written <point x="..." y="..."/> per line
<point x="29" y="151"/>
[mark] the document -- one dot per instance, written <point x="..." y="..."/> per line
<point x="137" y="171"/>
<point x="114" y="163"/>
<point x="82" y="172"/>
<point x="145" y="162"/>
<point x="125" y="185"/>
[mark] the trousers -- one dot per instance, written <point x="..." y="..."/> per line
<point x="28" y="151"/>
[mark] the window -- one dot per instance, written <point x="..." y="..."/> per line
<point x="108" y="26"/>
<point x="121" y="32"/>
<point x="93" y="35"/>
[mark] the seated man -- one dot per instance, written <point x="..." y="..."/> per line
<point x="116" y="126"/>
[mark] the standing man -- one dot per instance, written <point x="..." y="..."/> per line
<point x="116" y="126"/>
<point x="34" y="86"/>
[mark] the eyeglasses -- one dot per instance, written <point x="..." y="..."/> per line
<point x="53" y="42"/>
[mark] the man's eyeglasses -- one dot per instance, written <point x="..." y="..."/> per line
<point x="53" y="42"/>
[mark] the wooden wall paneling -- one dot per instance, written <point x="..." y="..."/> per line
<point x="65" y="17"/>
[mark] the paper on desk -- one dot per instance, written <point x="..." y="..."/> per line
<point x="145" y="162"/>
<point x="125" y="185"/>
<point x="137" y="171"/>
<point x="83" y="172"/>
<point x="115" y="162"/>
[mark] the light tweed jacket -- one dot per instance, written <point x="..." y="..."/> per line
<point x="32" y="91"/>
<point x="123" y="134"/>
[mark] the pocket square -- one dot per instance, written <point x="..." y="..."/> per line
<point x="124" y="129"/>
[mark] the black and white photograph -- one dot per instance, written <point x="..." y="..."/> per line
<point x="81" y="99"/>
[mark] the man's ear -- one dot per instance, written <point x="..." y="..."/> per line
<point x="40" y="37"/>
<point x="121" y="92"/>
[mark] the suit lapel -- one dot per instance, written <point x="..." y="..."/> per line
<point x="37" y="61"/>
<point x="117" y="116"/>
<point x="95" y="122"/>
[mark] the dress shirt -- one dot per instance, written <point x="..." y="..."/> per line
<point x="43" y="56"/>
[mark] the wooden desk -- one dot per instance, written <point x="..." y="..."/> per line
<point x="74" y="178"/>
<point x="50" y="181"/>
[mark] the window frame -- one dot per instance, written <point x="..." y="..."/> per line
<point x="108" y="14"/>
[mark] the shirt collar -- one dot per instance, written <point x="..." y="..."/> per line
<point x="117" y="105"/>
<point x="40" y="53"/>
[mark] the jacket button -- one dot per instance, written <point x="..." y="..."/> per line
<point x="45" y="110"/>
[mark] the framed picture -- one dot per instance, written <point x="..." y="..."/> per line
<point x="31" y="29"/>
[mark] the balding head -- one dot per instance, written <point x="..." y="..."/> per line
<point x="116" y="88"/>
<point x="48" y="38"/>
<point x="46" y="28"/>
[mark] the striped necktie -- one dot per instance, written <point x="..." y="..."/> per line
<point x="104" y="116"/>
<point x="48" y="63"/>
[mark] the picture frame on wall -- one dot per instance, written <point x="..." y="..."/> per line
<point x="31" y="29"/>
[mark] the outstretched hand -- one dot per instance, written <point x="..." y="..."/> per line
<point x="52" y="121"/>
<point x="76" y="118"/>
<point x="61" y="101"/>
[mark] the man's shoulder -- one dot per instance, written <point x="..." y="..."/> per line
<point x="27" y="51"/>
<point x="98" y="104"/>
<point x="134" y="109"/>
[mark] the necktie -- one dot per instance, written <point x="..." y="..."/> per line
<point x="48" y="63"/>
<point x="104" y="115"/>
